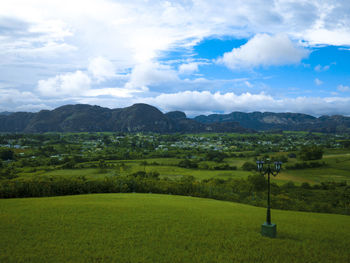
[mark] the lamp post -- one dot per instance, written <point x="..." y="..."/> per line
<point x="268" y="229"/>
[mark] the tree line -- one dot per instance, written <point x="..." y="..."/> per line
<point x="328" y="197"/>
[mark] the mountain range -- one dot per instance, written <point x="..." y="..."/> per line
<point x="86" y="118"/>
<point x="146" y="118"/>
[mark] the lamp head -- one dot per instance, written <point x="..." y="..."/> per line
<point x="260" y="165"/>
<point x="278" y="166"/>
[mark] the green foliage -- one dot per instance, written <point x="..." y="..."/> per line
<point x="6" y="154"/>
<point x="224" y="166"/>
<point x="313" y="152"/>
<point x="8" y="172"/>
<point x="249" y="166"/>
<point x="187" y="163"/>
<point x="239" y="190"/>
<point x="258" y="182"/>
<point x="305" y="165"/>
<point x="216" y="156"/>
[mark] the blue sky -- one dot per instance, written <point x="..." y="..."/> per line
<point x="197" y="56"/>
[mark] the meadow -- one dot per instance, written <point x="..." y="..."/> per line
<point x="163" y="228"/>
<point x="337" y="169"/>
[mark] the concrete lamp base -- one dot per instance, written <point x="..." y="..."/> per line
<point x="269" y="230"/>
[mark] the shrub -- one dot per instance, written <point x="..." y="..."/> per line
<point x="313" y="152"/>
<point x="186" y="163"/>
<point x="249" y="166"/>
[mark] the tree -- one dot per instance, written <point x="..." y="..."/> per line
<point x="249" y="166"/>
<point x="186" y="163"/>
<point x="6" y="154"/>
<point x="215" y="156"/>
<point x="102" y="165"/>
<point x="258" y="182"/>
<point x="312" y="152"/>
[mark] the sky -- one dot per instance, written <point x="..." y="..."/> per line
<point x="198" y="56"/>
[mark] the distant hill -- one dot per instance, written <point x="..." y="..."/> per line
<point x="86" y="118"/>
<point x="146" y="118"/>
<point x="5" y="113"/>
<point x="281" y="121"/>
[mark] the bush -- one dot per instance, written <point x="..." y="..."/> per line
<point x="258" y="182"/>
<point x="188" y="164"/>
<point x="249" y="166"/>
<point x="305" y="165"/>
<point x="215" y="156"/>
<point x="224" y="167"/>
<point x="313" y="152"/>
<point x="6" y="154"/>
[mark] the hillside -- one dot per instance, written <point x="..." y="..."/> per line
<point x="163" y="228"/>
<point x="281" y="121"/>
<point x="87" y="118"/>
<point x="146" y="118"/>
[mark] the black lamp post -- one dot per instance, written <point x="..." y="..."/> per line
<point x="268" y="229"/>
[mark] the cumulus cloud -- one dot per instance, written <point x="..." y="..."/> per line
<point x="137" y="37"/>
<point x="14" y="100"/>
<point x="264" y="50"/>
<point x="69" y="84"/>
<point x="151" y="73"/>
<point x="195" y="103"/>
<point x="188" y="68"/>
<point x="80" y="84"/>
<point x="114" y="92"/>
<point x="101" y="68"/>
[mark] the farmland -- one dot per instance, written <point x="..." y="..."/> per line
<point x="207" y="155"/>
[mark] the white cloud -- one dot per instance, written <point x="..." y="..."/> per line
<point x="69" y="84"/>
<point x="318" y="82"/>
<point x="151" y="73"/>
<point x="195" y="103"/>
<point x="320" y="68"/>
<point x="14" y="100"/>
<point x="264" y="50"/>
<point x="188" y="68"/>
<point x="101" y="68"/>
<point x="114" y="92"/>
<point x="343" y="88"/>
<point x="137" y="36"/>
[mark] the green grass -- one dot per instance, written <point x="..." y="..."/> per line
<point x="161" y="228"/>
<point x="337" y="169"/>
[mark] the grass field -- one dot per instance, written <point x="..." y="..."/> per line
<point x="162" y="228"/>
<point x="337" y="169"/>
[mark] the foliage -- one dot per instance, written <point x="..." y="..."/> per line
<point x="312" y="152"/>
<point x="6" y="154"/>
<point x="224" y="167"/>
<point x="187" y="163"/>
<point x="305" y="165"/>
<point x="216" y="156"/>
<point x="333" y="197"/>
<point x="249" y="166"/>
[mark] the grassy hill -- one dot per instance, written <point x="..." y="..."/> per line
<point x="163" y="228"/>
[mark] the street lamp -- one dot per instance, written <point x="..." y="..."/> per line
<point x="268" y="229"/>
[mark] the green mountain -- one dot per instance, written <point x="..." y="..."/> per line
<point x="281" y="121"/>
<point x="146" y="118"/>
<point x="86" y="118"/>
